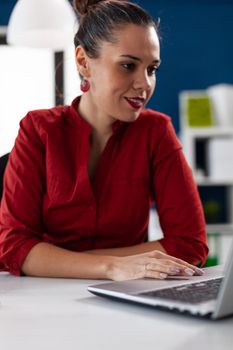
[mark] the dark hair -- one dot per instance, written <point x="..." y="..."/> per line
<point x="99" y="19"/>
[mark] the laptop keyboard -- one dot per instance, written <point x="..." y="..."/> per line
<point x="194" y="293"/>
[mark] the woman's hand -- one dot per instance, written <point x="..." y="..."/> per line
<point x="154" y="264"/>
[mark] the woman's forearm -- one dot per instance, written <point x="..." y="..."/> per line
<point x="47" y="260"/>
<point x="131" y="250"/>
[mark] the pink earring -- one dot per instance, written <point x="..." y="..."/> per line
<point x="85" y="85"/>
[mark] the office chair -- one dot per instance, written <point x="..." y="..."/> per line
<point x="3" y="163"/>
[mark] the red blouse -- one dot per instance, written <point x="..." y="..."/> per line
<point x="48" y="195"/>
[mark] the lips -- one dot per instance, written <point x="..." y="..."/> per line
<point x="135" y="102"/>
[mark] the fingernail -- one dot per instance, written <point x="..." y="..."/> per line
<point x="189" y="272"/>
<point x="199" y="271"/>
<point x="174" y="269"/>
<point x="163" y="275"/>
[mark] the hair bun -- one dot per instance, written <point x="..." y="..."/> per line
<point x="81" y="6"/>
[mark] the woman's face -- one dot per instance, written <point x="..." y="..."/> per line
<point x="123" y="78"/>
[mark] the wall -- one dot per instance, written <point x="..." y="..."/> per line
<point x="6" y="7"/>
<point x="196" y="48"/>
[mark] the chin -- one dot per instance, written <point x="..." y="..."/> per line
<point x="128" y="116"/>
<point x="133" y="116"/>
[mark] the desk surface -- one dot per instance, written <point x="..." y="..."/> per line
<point x="54" y="314"/>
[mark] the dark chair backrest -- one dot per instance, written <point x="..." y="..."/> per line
<point x="3" y="163"/>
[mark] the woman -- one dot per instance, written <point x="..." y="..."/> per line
<point x="80" y="179"/>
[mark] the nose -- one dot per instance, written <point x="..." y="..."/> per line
<point x="143" y="81"/>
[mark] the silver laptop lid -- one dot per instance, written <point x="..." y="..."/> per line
<point x="224" y="306"/>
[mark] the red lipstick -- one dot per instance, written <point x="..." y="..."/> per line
<point x="135" y="102"/>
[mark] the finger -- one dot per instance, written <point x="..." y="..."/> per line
<point x="173" y="268"/>
<point x="155" y="274"/>
<point x="188" y="267"/>
<point x="178" y="262"/>
<point x="167" y="268"/>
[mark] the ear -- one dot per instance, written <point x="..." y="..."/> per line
<point x="82" y="62"/>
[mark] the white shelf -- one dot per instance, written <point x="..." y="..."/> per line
<point x="208" y="132"/>
<point x="226" y="229"/>
<point x="214" y="169"/>
<point x="189" y="138"/>
<point x="206" y="181"/>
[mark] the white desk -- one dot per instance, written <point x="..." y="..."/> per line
<point x="59" y="314"/>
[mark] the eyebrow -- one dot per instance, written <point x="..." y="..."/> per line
<point x="157" y="61"/>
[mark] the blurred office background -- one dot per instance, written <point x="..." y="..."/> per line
<point x="196" y="52"/>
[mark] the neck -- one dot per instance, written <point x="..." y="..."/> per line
<point x="101" y="124"/>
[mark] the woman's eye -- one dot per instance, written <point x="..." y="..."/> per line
<point x="152" y="70"/>
<point x="128" y="66"/>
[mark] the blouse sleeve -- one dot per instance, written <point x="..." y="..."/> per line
<point x="177" y="200"/>
<point x="22" y="201"/>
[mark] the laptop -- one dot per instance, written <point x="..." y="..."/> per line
<point x="209" y="295"/>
